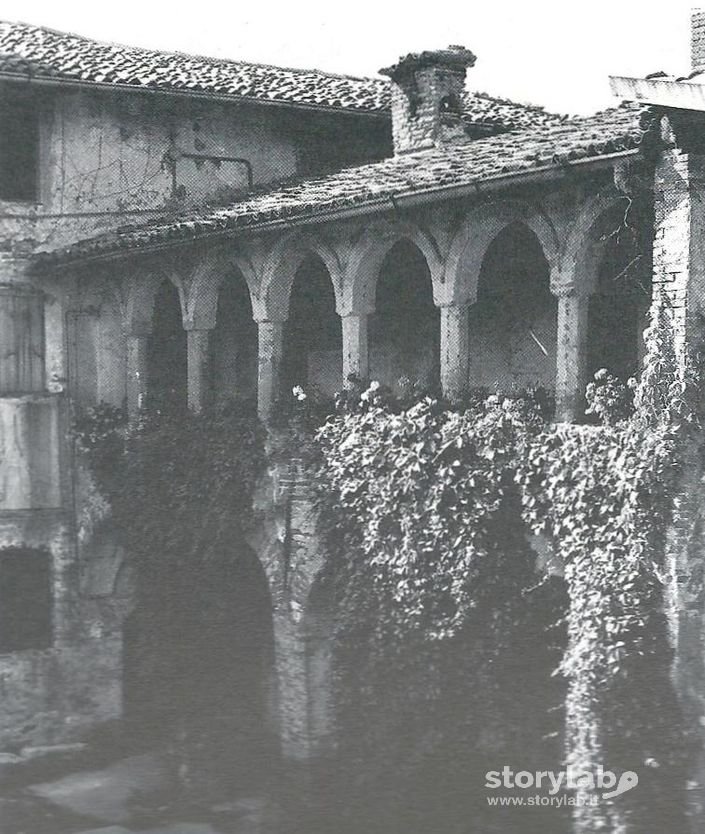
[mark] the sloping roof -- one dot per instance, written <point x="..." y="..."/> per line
<point x="36" y="52"/>
<point x="64" y="56"/>
<point x="501" y="114"/>
<point x="467" y="163"/>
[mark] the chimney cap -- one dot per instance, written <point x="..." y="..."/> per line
<point x="454" y="57"/>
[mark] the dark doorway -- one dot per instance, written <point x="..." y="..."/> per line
<point x="618" y="305"/>
<point x="25" y="600"/>
<point x="313" y="350"/>
<point x="166" y="350"/>
<point x="405" y="327"/>
<point x="513" y="322"/>
<point x="234" y="342"/>
<point x="198" y="670"/>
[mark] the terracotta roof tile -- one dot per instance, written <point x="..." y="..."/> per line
<point x="43" y="53"/>
<point x="467" y="163"/>
<point x="74" y="58"/>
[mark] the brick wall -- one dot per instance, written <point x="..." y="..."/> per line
<point x="679" y="240"/>
<point x="697" y="39"/>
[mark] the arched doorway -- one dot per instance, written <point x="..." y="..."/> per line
<point x="198" y="672"/>
<point x="404" y="330"/>
<point x="620" y="299"/>
<point x="166" y="350"/>
<point x="234" y="342"/>
<point x="313" y="346"/>
<point x="513" y="322"/>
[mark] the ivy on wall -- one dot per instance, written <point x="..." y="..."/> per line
<point x="178" y="483"/>
<point x="427" y="512"/>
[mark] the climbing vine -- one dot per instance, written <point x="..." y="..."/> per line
<point x="178" y="484"/>
<point x="428" y="511"/>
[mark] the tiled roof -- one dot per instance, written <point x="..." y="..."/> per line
<point x="45" y="54"/>
<point x="74" y="58"/>
<point x="466" y="163"/>
<point x="501" y="114"/>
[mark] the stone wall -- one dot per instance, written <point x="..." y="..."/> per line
<point x="56" y="695"/>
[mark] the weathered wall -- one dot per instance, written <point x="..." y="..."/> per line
<point x="109" y="158"/>
<point x="56" y="695"/>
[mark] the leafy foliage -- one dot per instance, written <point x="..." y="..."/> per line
<point x="178" y="483"/>
<point x="427" y="513"/>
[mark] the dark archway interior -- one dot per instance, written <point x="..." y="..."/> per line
<point x="234" y="342"/>
<point x="25" y="599"/>
<point x="618" y="305"/>
<point x="513" y="323"/>
<point x="313" y="347"/>
<point x="199" y="668"/>
<point x="166" y="349"/>
<point x="404" y="330"/>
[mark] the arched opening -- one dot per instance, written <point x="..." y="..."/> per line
<point x="25" y="600"/>
<point x="313" y="346"/>
<point x="166" y="350"/>
<point x="234" y="342"/>
<point x="199" y="669"/>
<point x="513" y="322"/>
<point x="620" y="299"/>
<point x="404" y="331"/>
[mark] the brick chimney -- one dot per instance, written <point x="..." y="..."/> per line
<point x="697" y="40"/>
<point x="427" y="88"/>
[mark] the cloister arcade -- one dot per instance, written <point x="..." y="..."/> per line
<point x="500" y="294"/>
<point x="511" y="295"/>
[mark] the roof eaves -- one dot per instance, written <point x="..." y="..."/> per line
<point x="107" y="86"/>
<point x="558" y="167"/>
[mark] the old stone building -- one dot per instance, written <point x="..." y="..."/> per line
<point x="205" y="227"/>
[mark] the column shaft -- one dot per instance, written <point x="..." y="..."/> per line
<point x="455" y="350"/>
<point x="571" y="355"/>
<point x="199" y="368"/>
<point x="271" y="349"/>
<point x="136" y="373"/>
<point x="355" y="349"/>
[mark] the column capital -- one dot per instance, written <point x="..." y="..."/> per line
<point x="454" y="303"/>
<point x="570" y="289"/>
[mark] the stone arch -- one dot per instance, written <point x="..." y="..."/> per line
<point x="513" y="320"/>
<point x="166" y="348"/>
<point x="313" y="340"/>
<point x="141" y="294"/>
<point x="404" y="329"/>
<point x="579" y="256"/>
<point x="614" y="272"/>
<point x="477" y="231"/>
<point x="280" y="268"/>
<point x="202" y="302"/>
<point x="209" y="627"/>
<point x="368" y="254"/>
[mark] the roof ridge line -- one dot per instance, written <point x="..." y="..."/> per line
<point x="230" y="61"/>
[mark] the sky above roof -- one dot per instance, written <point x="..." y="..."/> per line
<point x="556" y="54"/>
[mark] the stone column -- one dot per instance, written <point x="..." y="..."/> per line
<point x="355" y="347"/>
<point x="271" y="351"/>
<point x="199" y="368"/>
<point x="136" y="373"/>
<point x="571" y="353"/>
<point x="455" y="350"/>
